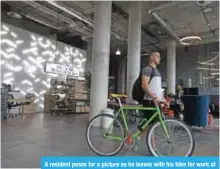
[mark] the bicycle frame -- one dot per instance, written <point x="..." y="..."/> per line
<point x="136" y="134"/>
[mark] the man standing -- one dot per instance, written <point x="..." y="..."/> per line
<point x="152" y="84"/>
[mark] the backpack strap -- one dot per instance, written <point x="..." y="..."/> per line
<point x="151" y="76"/>
<point x="152" y="73"/>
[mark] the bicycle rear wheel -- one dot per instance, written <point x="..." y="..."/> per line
<point x="180" y="143"/>
<point x="110" y="133"/>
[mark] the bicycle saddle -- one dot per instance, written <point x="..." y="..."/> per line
<point x="118" y="95"/>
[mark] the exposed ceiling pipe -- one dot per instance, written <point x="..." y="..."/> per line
<point x="166" y="5"/>
<point x="121" y="12"/>
<point x="166" y="27"/>
<point x="37" y="19"/>
<point x="81" y="18"/>
<point x="61" y="17"/>
<point x="47" y="10"/>
<point x="70" y="12"/>
<point x="202" y="8"/>
<point x="163" y="24"/>
<point x="89" y="10"/>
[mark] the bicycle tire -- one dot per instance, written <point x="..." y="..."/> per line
<point x="182" y="124"/>
<point x="90" y="144"/>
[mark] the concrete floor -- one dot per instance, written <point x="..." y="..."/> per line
<point x="25" y="140"/>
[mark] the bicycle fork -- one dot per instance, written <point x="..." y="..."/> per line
<point x="163" y="124"/>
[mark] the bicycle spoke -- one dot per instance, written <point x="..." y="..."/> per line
<point x="110" y="135"/>
<point x="172" y="150"/>
<point x="97" y="135"/>
<point x="161" y="139"/>
<point x="100" y="144"/>
<point x="179" y="131"/>
<point x="169" y="129"/>
<point x="181" y="141"/>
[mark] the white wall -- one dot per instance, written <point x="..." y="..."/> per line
<point x="23" y="56"/>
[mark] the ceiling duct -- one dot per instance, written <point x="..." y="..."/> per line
<point x="72" y="24"/>
<point x="166" y="5"/>
<point x="70" y="12"/>
<point x="202" y="9"/>
<point x="82" y="18"/>
<point x="48" y="11"/>
<point x="147" y="34"/>
<point x="41" y="21"/>
<point x="166" y="27"/>
<point x="156" y="29"/>
<point x="204" y="3"/>
<point x="163" y="24"/>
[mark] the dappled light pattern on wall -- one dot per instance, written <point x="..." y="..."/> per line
<point x="23" y="56"/>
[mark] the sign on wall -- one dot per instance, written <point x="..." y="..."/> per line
<point x="61" y="69"/>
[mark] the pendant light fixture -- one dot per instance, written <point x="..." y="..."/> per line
<point x="118" y="52"/>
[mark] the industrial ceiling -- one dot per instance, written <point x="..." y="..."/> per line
<point x="75" y="18"/>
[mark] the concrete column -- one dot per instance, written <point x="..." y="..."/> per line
<point x="121" y="75"/>
<point x="100" y="57"/>
<point x="88" y="66"/>
<point x="171" y="67"/>
<point x="134" y="45"/>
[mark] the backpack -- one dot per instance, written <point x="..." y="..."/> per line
<point x="137" y="91"/>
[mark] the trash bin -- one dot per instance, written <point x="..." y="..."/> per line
<point x="196" y="110"/>
<point x="106" y="121"/>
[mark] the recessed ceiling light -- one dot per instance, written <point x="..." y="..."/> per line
<point x="87" y="38"/>
<point x="144" y="54"/>
<point x="14" y="15"/>
<point x="213" y="74"/>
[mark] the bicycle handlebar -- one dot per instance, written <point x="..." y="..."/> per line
<point x="119" y="100"/>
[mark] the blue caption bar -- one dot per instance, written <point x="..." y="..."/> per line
<point x="129" y="162"/>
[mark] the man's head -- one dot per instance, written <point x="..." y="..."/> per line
<point x="155" y="58"/>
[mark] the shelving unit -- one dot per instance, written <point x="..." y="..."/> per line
<point x="71" y="86"/>
<point x="66" y="97"/>
<point x="64" y="93"/>
<point x="4" y="102"/>
<point x="53" y="86"/>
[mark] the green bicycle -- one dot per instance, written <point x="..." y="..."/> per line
<point x="173" y="135"/>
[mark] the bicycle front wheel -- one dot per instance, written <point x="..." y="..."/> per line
<point x="180" y="142"/>
<point x="105" y="135"/>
